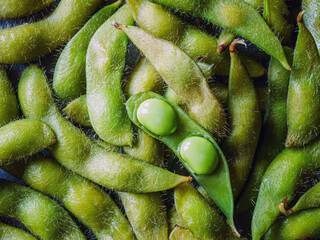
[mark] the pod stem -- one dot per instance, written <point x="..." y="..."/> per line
<point x="118" y="25"/>
<point x="300" y="17"/>
<point x="282" y="208"/>
<point x="232" y="47"/>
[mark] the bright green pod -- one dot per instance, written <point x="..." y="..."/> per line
<point x="105" y="63"/>
<point x="199" y="216"/>
<point x="303" y="225"/>
<point x="273" y="133"/>
<point x="179" y="233"/>
<point x="69" y="79"/>
<point x="79" y="153"/>
<point x="9" y="109"/>
<point x="77" y="111"/>
<point x="303" y="108"/>
<point x="237" y="17"/>
<point x="183" y="75"/>
<point x="42" y="216"/>
<point x="311" y="19"/>
<point x="21" y="8"/>
<point x="27" y="42"/>
<point x="218" y="183"/>
<point x="11" y="233"/>
<point x="23" y="138"/>
<point x="245" y="123"/>
<point x="82" y="198"/>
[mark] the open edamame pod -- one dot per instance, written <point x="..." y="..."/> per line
<point x="105" y="63"/>
<point x="69" y="79"/>
<point x="217" y="183"/>
<point x="9" y="109"/>
<point x="42" y="216"/>
<point x="23" y="138"/>
<point x="237" y="17"/>
<point x="9" y="233"/>
<point x="82" y="198"/>
<point x="21" y="8"/>
<point x="303" y="105"/>
<point x="183" y="75"/>
<point x="79" y="153"/>
<point x="27" y="42"/>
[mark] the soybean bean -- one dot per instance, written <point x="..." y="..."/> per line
<point x="303" y="107"/>
<point x="21" y="8"/>
<point x="105" y="63"/>
<point x="23" y="138"/>
<point x="11" y="233"/>
<point x="9" y="109"/>
<point x="218" y="183"/>
<point x="41" y="215"/>
<point x="77" y="152"/>
<point x="28" y="42"/>
<point x="69" y="79"/>
<point x="237" y="17"/>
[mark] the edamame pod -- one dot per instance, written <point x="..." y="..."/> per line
<point x="237" y="17"/>
<point x="303" y="225"/>
<point x="311" y="19"/>
<point x="42" y="216"/>
<point x="85" y="200"/>
<point x="79" y="153"/>
<point x="303" y="107"/>
<point x="183" y="76"/>
<point x="245" y="122"/>
<point x="77" y="111"/>
<point x="9" y="233"/>
<point x="218" y="183"/>
<point x="180" y="233"/>
<point x="23" y="138"/>
<point x="9" y="109"/>
<point x="225" y="38"/>
<point x="28" y="42"/>
<point x="69" y="79"/>
<point x="21" y="8"/>
<point x="105" y="63"/>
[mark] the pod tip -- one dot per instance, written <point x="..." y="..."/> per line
<point x="223" y="46"/>
<point x="118" y="25"/>
<point x="282" y="208"/>
<point x="232" y="47"/>
<point x="300" y="17"/>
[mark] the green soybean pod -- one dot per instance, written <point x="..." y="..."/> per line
<point x="105" y="63"/>
<point x="237" y="17"/>
<point x="9" y="109"/>
<point x="273" y="134"/>
<point x="183" y="76"/>
<point x="79" y="153"/>
<point x="180" y="233"/>
<point x="245" y="122"/>
<point x="198" y="216"/>
<point x="42" y="216"/>
<point x="11" y="233"/>
<point x="27" y="42"/>
<point x="69" y="79"/>
<point x="85" y="200"/>
<point x="21" y="8"/>
<point x="302" y="225"/>
<point x="312" y="19"/>
<point x="218" y="183"/>
<point x="225" y="38"/>
<point x="23" y="138"/>
<point x="303" y="108"/>
<point x="77" y="111"/>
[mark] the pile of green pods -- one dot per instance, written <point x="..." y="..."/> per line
<point x="159" y="119"/>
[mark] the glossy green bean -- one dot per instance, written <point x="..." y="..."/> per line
<point x="245" y="123"/>
<point x="303" y="107"/>
<point x="27" y="42"/>
<point x="21" y="8"/>
<point x="85" y="200"/>
<point x="237" y="17"/>
<point x="303" y="225"/>
<point x="312" y="19"/>
<point x="180" y="233"/>
<point x="218" y="183"/>
<point x="9" y="233"/>
<point x="42" y="216"/>
<point x="77" y="152"/>
<point x="105" y="63"/>
<point x="273" y="134"/>
<point x="9" y="109"/>
<point x="185" y="78"/>
<point x="69" y="79"/>
<point x="23" y="138"/>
